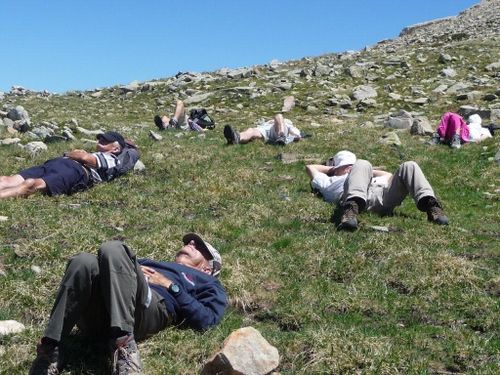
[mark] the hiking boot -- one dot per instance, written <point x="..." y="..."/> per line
<point x="455" y="141"/>
<point x="435" y="140"/>
<point x="159" y="123"/>
<point x="47" y="361"/>
<point x="280" y="141"/>
<point x="126" y="358"/>
<point x="435" y="212"/>
<point x="349" y="220"/>
<point x="231" y="135"/>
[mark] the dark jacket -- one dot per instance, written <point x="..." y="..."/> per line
<point x="202" y="299"/>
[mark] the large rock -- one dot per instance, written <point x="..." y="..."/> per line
<point x="390" y="139"/>
<point x="400" y="120"/>
<point x="421" y="126"/>
<point x="245" y="352"/>
<point x="364" y="92"/>
<point x="9" y="327"/>
<point x="19" y="114"/>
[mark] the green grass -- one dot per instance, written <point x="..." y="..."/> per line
<point x="421" y="299"/>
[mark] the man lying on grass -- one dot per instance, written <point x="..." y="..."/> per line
<point x="357" y="187"/>
<point x="77" y="170"/>
<point x="116" y="297"/>
<point x="278" y="131"/>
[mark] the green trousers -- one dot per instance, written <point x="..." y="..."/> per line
<point x="106" y="291"/>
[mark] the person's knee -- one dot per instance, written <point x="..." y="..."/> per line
<point x="409" y="165"/>
<point x="111" y="249"/>
<point x="82" y="261"/>
<point x="361" y="163"/>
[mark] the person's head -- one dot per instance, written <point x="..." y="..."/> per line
<point x="111" y="141"/>
<point x="342" y="163"/>
<point x="474" y="119"/>
<point x="199" y="254"/>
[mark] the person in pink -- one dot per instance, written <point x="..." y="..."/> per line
<point x="452" y="130"/>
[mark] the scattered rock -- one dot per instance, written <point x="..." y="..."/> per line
<point x="421" y="126"/>
<point x="4" y="218"/>
<point x="9" y="327"/>
<point x="36" y="269"/>
<point x="10" y="141"/>
<point x="35" y="147"/>
<point x="139" y="166"/>
<point x="245" y="351"/>
<point x="288" y="104"/>
<point x="155" y="136"/>
<point x="399" y="120"/>
<point x="390" y="139"/>
<point x="364" y="92"/>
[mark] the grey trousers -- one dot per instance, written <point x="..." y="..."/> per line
<point x="106" y="291"/>
<point x="407" y="180"/>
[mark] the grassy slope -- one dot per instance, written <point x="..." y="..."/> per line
<point x="421" y="299"/>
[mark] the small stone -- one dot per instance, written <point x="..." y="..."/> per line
<point x="36" y="269"/>
<point x="155" y="136"/>
<point x="139" y="166"/>
<point x="4" y="218"/>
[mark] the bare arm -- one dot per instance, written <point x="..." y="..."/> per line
<point x="82" y="157"/>
<point x="313" y="169"/>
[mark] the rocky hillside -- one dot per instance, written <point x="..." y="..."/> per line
<point x="398" y="296"/>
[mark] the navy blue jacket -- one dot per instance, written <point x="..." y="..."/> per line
<point x="202" y="299"/>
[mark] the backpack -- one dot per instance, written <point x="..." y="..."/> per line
<point x="126" y="159"/>
<point x="201" y="118"/>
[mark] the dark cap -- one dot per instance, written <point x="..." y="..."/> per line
<point x="213" y="254"/>
<point x="112" y="137"/>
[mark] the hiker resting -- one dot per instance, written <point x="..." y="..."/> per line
<point x="143" y="298"/>
<point x="356" y="186"/>
<point x="77" y="170"/>
<point x="454" y="131"/>
<point x="197" y="120"/>
<point x="279" y="131"/>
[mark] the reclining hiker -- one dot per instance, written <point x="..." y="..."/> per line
<point x="77" y="170"/>
<point x="454" y="131"/>
<point x="278" y="131"/>
<point x="356" y="186"/>
<point x="142" y="299"/>
<point x="197" y="120"/>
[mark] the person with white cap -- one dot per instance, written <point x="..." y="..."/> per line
<point x="117" y="297"/>
<point x="477" y="132"/>
<point x="357" y="186"/>
<point x="329" y="179"/>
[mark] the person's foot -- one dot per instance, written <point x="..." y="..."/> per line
<point x="349" y="220"/>
<point x="280" y="141"/>
<point x="435" y="140"/>
<point x="159" y="123"/>
<point x="47" y="361"/>
<point x="435" y="213"/>
<point x="231" y="135"/>
<point x="126" y="357"/>
<point x="455" y="141"/>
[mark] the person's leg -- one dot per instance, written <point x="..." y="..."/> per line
<point x="10" y="181"/>
<point x="279" y="125"/>
<point x="355" y="195"/>
<point x="119" y="280"/>
<point x="26" y="188"/>
<point x="74" y="296"/>
<point x="410" y="180"/>
<point x="250" y="134"/>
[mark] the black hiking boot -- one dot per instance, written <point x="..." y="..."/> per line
<point x="349" y="220"/>
<point x="435" y="213"/>
<point x="231" y="135"/>
<point x="47" y="361"/>
<point x="159" y="123"/>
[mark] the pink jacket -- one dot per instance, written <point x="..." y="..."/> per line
<point x="449" y="124"/>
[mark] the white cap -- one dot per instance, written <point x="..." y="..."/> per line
<point x="475" y="119"/>
<point x="343" y="158"/>
<point x="215" y="258"/>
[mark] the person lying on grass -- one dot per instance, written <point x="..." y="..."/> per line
<point x="279" y="131"/>
<point x="116" y="297"/>
<point x="77" y="170"/>
<point x="356" y="186"/>
<point x="197" y="120"/>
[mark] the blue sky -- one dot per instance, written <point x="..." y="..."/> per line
<point x="65" y="45"/>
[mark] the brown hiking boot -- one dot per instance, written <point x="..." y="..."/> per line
<point x="47" y="361"/>
<point x="435" y="212"/>
<point x="349" y="220"/>
<point x="126" y="357"/>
